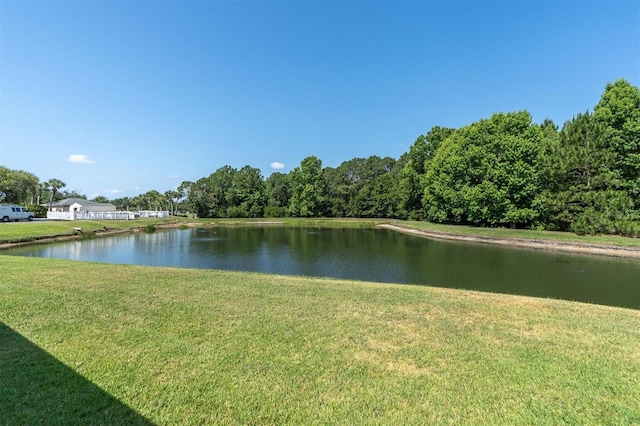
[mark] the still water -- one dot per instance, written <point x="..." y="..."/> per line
<point x="370" y="255"/>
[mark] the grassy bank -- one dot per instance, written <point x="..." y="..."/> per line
<point x="105" y="342"/>
<point x="14" y="232"/>
<point x="524" y="234"/>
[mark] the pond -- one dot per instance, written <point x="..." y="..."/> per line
<point x="370" y="255"/>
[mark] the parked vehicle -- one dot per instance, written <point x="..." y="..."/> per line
<point x="12" y="212"/>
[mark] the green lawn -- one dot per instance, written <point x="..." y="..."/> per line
<point x="88" y="343"/>
<point x="28" y="231"/>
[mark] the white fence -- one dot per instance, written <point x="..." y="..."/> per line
<point x="91" y="215"/>
<point x="152" y="213"/>
<point x="105" y="215"/>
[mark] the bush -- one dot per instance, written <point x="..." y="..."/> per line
<point x="273" y="211"/>
<point x="38" y="211"/>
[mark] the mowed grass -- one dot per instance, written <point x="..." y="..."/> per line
<point x="179" y="346"/>
<point x="12" y="232"/>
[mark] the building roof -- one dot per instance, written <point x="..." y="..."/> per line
<point x="84" y="203"/>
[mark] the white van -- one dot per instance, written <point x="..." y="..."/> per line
<point x="12" y="212"/>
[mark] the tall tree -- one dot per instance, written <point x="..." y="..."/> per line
<point x="183" y="198"/>
<point x="369" y="200"/>
<point x="351" y="176"/>
<point x="39" y="188"/>
<point x="101" y="199"/>
<point x="122" y="203"/>
<point x="209" y="196"/>
<point x="153" y="200"/>
<point x="339" y="191"/>
<point x="171" y="197"/>
<point x="351" y="184"/>
<point x="278" y="193"/>
<point x="411" y="185"/>
<point x="486" y="173"/>
<point x="71" y="194"/>
<point x="582" y="191"/>
<point x="308" y="189"/>
<point x="54" y="186"/>
<point x="17" y="185"/>
<point x="619" y="113"/>
<point x="246" y="196"/>
<point x="138" y="202"/>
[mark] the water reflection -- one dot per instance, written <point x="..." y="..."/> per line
<point x="369" y="254"/>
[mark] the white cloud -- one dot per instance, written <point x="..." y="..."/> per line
<point x="276" y="165"/>
<point x="80" y="158"/>
<point x="113" y="191"/>
<point x="174" y="176"/>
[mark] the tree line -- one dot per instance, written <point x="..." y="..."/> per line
<point x="503" y="171"/>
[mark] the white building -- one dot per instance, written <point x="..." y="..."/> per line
<point x="81" y="205"/>
<point x="79" y="209"/>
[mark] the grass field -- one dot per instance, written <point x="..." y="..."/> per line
<point x="84" y="343"/>
<point x="13" y="232"/>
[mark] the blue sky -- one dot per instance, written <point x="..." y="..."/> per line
<point x="116" y="98"/>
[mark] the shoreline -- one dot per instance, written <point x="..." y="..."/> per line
<point x="567" y="247"/>
<point x="79" y="235"/>
<point x="537" y="244"/>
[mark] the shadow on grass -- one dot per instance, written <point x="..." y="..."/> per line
<point x="36" y="388"/>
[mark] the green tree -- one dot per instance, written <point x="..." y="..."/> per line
<point x="18" y="186"/>
<point x="343" y="186"/>
<point x="101" y="199"/>
<point x="619" y="113"/>
<point x="171" y="197"/>
<point x="372" y="194"/>
<point x="246" y="196"/>
<point x="411" y="185"/>
<point x="384" y="199"/>
<point x="54" y="186"/>
<point x="583" y="191"/>
<point x="183" y="199"/>
<point x="278" y="193"/>
<point x="39" y="189"/>
<point x="209" y="196"/>
<point x="152" y="200"/>
<point x="308" y="188"/>
<point x="410" y="188"/>
<point x="351" y="186"/>
<point x="123" y="203"/>
<point x="198" y="198"/>
<point x="138" y="202"/>
<point x="71" y="194"/>
<point x="486" y="173"/>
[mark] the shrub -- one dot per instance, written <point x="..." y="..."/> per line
<point x="38" y="211"/>
<point x="273" y="211"/>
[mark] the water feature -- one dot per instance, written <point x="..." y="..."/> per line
<point x="368" y="254"/>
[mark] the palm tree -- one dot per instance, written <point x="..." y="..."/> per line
<point x="172" y="198"/>
<point x="101" y="199"/>
<point x="41" y="186"/>
<point x="54" y="185"/>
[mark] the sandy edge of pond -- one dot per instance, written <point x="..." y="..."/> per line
<point x="548" y="245"/>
